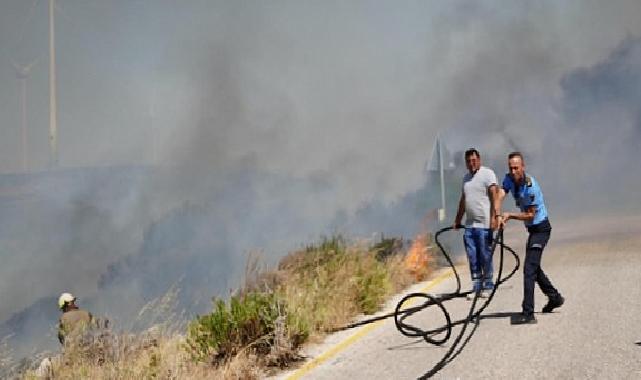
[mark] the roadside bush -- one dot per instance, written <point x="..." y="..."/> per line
<point x="387" y="248"/>
<point x="329" y="283"/>
<point x="373" y="284"/>
<point x="247" y="321"/>
<point x="329" y="253"/>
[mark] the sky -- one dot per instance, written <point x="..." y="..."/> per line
<point x="261" y="120"/>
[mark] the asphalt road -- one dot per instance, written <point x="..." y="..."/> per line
<point x="597" y="267"/>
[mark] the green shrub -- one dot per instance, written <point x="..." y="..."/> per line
<point x="387" y="248"/>
<point x="373" y="285"/>
<point x="246" y="320"/>
<point x="298" y="326"/>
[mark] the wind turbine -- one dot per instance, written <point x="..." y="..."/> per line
<point x="22" y="73"/>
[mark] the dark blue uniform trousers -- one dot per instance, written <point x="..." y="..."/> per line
<point x="532" y="271"/>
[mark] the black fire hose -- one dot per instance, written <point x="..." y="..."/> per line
<point x="441" y="335"/>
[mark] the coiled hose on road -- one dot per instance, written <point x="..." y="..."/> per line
<point x="441" y="335"/>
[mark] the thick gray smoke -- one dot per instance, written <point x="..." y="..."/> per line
<point x="599" y="134"/>
<point x="194" y="132"/>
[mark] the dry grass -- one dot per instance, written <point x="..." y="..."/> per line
<point x="325" y="286"/>
<point x="144" y="356"/>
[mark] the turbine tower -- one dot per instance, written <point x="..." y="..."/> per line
<point x="53" y="111"/>
<point x="22" y="73"/>
<point x="152" y="122"/>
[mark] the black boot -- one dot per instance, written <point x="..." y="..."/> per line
<point x="553" y="303"/>
<point x="523" y="319"/>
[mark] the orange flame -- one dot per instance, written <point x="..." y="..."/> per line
<point x="418" y="258"/>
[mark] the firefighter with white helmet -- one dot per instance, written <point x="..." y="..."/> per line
<point x="73" y="321"/>
<point x="65" y="299"/>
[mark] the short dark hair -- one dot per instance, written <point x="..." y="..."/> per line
<point x="472" y="151"/>
<point x="515" y="154"/>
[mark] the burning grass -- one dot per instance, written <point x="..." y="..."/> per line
<point x="312" y="291"/>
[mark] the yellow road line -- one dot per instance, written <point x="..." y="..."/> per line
<point x="320" y="359"/>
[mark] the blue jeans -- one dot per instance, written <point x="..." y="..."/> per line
<point x="478" y="245"/>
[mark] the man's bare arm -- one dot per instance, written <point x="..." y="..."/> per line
<point x="526" y="216"/>
<point x="492" y="190"/>
<point x="499" y="195"/>
<point x="461" y="211"/>
<point x="505" y="216"/>
<point x="498" y="203"/>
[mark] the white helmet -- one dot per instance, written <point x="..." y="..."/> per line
<point x="64" y="299"/>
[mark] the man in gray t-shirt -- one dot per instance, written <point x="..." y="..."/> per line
<point x="477" y="197"/>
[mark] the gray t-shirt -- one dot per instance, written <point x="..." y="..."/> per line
<point x="477" y="200"/>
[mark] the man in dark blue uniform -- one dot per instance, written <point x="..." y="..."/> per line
<point x="529" y="199"/>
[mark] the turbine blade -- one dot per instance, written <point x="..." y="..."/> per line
<point x="33" y="63"/>
<point x="58" y="9"/>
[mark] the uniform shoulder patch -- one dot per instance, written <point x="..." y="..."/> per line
<point x="528" y="181"/>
